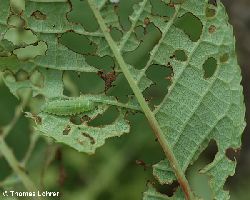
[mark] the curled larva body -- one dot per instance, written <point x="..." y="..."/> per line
<point x="68" y="106"/>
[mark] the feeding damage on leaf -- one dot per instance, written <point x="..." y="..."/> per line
<point x="109" y="78"/>
<point x="179" y="56"/>
<point x="69" y="120"/>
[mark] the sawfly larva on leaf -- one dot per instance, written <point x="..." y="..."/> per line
<point x="64" y="107"/>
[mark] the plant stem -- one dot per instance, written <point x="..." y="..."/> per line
<point x="15" y="165"/>
<point x="8" y="154"/>
<point x="148" y="113"/>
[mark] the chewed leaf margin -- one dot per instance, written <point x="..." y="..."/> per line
<point x="82" y="137"/>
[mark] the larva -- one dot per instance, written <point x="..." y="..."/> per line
<point x="68" y="106"/>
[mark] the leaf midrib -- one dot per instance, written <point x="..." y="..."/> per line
<point x="148" y="113"/>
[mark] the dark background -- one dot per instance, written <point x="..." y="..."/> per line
<point x="239" y="14"/>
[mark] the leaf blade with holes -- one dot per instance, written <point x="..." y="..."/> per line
<point x="197" y="108"/>
<point x="196" y="91"/>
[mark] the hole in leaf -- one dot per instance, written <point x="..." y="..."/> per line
<point x="31" y="51"/>
<point x="67" y="130"/>
<point x="85" y="119"/>
<point x="16" y="21"/>
<point x="108" y="78"/>
<point x="209" y="67"/>
<point x="191" y="25"/>
<point x="17" y="6"/>
<point x="38" y="15"/>
<point x="121" y="88"/>
<point x="76" y="83"/>
<point x="161" y="8"/>
<point x="22" y="91"/>
<point x="81" y="13"/>
<point x="139" y="32"/>
<point x="233" y="181"/>
<point x="233" y="154"/>
<point x="212" y="29"/>
<point x="20" y="36"/>
<point x="106" y="118"/>
<point x="210" y="152"/>
<point x="22" y="75"/>
<point x="125" y="9"/>
<point x="210" y="12"/>
<point x="36" y="103"/>
<point x="140" y="56"/>
<point x="77" y="43"/>
<point x="200" y="182"/>
<point x="169" y="189"/>
<point x="116" y="34"/>
<point x="161" y="76"/>
<point x="37" y="79"/>
<point x="105" y="63"/>
<point x="180" y="55"/>
<point x="146" y="21"/>
<point x="224" y="58"/>
<point x="76" y="119"/>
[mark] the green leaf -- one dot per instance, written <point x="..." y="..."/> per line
<point x="82" y="137"/>
<point x="196" y="109"/>
<point x="204" y="101"/>
<point x="189" y="114"/>
<point x="26" y="75"/>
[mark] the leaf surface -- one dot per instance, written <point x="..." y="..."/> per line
<point x="200" y="105"/>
